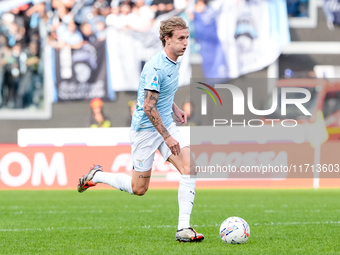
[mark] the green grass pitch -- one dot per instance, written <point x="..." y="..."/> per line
<point x="113" y="222"/>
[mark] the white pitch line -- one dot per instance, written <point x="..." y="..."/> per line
<point x="296" y="223"/>
<point x="51" y="212"/>
<point x="168" y="226"/>
<point x="48" y="229"/>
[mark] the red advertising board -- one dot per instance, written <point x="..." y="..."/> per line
<point x="61" y="167"/>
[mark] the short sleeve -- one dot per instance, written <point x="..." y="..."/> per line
<point x="153" y="79"/>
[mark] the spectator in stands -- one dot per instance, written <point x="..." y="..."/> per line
<point x="98" y="119"/>
<point x="88" y="35"/>
<point x="123" y="19"/>
<point x="125" y="9"/>
<point x="52" y="39"/>
<point x="70" y="35"/>
<point x="128" y="2"/>
<point x="95" y="17"/>
<point x="64" y="14"/>
<point x="81" y="10"/>
<point x="35" y="13"/>
<point x="67" y="3"/>
<point x="38" y="22"/>
<point x="162" y="6"/>
<point x="100" y="31"/>
<point x="60" y="23"/>
<point x="4" y="55"/>
<point x="13" y="28"/>
<point x="142" y="17"/>
<point x="103" y="7"/>
<point x="12" y="74"/>
<point x="21" y="24"/>
<point x="31" y="82"/>
<point x="112" y="18"/>
<point x="188" y="107"/>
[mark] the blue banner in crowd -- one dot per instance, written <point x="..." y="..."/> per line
<point x="332" y="11"/>
<point x="241" y="36"/>
<point x="205" y="25"/>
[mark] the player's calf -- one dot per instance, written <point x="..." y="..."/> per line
<point x="140" y="182"/>
<point x="140" y="191"/>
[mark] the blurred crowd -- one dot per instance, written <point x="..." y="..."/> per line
<point x="73" y="23"/>
<point x="26" y="29"/>
<point x="20" y="65"/>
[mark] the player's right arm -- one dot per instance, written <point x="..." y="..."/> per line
<point x="150" y="109"/>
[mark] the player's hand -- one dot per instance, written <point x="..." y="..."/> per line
<point x="173" y="145"/>
<point x="181" y="116"/>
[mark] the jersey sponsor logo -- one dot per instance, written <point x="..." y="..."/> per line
<point x="156" y="69"/>
<point x="154" y="81"/>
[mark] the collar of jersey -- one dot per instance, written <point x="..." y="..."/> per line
<point x="166" y="56"/>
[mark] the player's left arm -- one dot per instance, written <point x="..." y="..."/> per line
<point x="150" y="109"/>
<point x="181" y="116"/>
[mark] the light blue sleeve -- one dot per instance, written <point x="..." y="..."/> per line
<point x="153" y="79"/>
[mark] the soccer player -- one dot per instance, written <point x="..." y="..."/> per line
<point x="153" y="128"/>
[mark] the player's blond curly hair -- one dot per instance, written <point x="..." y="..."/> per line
<point x="168" y="27"/>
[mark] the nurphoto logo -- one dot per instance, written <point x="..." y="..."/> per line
<point x="239" y="104"/>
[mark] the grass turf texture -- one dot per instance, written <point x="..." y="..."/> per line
<point x="113" y="222"/>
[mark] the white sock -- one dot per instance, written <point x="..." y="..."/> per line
<point x="186" y="197"/>
<point x="118" y="181"/>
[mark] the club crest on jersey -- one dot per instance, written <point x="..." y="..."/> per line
<point x="140" y="162"/>
<point x="154" y="81"/>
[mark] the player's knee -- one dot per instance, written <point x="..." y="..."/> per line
<point x="185" y="170"/>
<point x="139" y="191"/>
<point x="188" y="170"/>
<point x="193" y="170"/>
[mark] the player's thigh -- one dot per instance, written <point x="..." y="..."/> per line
<point x="184" y="162"/>
<point x="140" y="181"/>
<point x="143" y="148"/>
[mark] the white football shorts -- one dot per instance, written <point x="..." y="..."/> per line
<point x="145" y="143"/>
